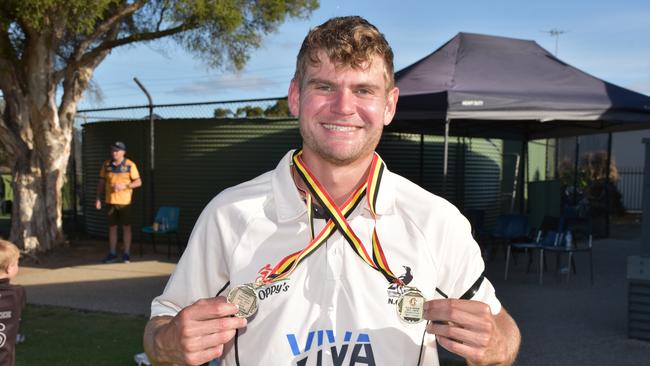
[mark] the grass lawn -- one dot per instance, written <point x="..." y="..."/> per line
<point x="61" y="336"/>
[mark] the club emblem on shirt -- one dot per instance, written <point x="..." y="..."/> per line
<point x="394" y="291"/>
<point x="263" y="273"/>
<point x="267" y="289"/>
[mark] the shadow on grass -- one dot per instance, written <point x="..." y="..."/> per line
<point x="60" y="336"/>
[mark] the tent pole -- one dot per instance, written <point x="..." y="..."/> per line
<point x="522" y="176"/>
<point x="422" y="160"/>
<point x="575" y="172"/>
<point x="607" y="181"/>
<point x="445" y="159"/>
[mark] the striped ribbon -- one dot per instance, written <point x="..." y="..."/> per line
<point x="371" y="188"/>
<point x="284" y="268"/>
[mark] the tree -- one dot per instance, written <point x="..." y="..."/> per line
<point x="222" y="112"/>
<point x="55" y="45"/>
<point x="279" y="109"/>
<point x="250" y="112"/>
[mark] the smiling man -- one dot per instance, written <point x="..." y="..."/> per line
<point x="295" y="267"/>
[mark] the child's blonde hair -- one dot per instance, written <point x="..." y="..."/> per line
<point x="8" y="254"/>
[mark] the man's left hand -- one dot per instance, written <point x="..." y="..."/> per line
<point x="468" y="329"/>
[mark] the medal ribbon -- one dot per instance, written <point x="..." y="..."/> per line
<point x="371" y="186"/>
<point x="290" y="262"/>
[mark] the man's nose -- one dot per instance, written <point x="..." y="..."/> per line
<point x="343" y="102"/>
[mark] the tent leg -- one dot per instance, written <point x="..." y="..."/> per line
<point x="445" y="159"/>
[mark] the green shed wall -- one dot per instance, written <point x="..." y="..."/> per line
<point x="197" y="159"/>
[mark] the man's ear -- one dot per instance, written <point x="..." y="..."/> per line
<point x="391" y="105"/>
<point x="293" y="98"/>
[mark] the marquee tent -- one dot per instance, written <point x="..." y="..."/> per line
<point x="499" y="87"/>
<point x="496" y="87"/>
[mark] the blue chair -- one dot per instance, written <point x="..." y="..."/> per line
<point x="167" y="224"/>
<point x="509" y="228"/>
<point x="548" y="235"/>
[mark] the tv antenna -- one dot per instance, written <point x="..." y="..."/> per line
<point x="555" y="33"/>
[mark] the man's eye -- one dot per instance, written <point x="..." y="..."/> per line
<point x="364" y="91"/>
<point x="323" y="87"/>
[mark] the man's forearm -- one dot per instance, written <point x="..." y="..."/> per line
<point x="135" y="183"/>
<point x="153" y="342"/>
<point x="100" y="188"/>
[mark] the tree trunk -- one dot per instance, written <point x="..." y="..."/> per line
<point x="38" y="177"/>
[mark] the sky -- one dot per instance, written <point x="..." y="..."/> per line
<point x="607" y="39"/>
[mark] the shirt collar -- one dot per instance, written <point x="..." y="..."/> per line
<point x="289" y="205"/>
<point x="386" y="197"/>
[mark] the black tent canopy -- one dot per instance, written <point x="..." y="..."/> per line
<point x="509" y="88"/>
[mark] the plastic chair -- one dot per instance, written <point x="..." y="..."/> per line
<point x="582" y="242"/>
<point x="167" y="224"/>
<point x="509" y="228"/>
<point x="547" y="236"/>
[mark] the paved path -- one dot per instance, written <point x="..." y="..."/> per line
<point x="574" y="323"/>
<point x="76" y="278"/>
<point x="561" y="324"/>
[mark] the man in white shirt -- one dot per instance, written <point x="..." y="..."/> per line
<point x="331" y="259"/>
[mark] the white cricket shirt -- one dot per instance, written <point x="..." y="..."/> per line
<point x="334" y="309"/>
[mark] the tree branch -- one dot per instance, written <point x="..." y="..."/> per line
<point x="9" y="63"/>
<point x="134" y="38"/>
<point x="105" y="26"/>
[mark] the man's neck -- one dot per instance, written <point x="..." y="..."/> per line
<point x="339" y="181"/>
<point x="118" y="162"/>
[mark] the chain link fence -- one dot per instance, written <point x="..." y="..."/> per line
<point x="245" y="108"/>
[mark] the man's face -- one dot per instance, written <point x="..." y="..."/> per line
<point x="342" y="111"/>
<point x="117" y="155"/>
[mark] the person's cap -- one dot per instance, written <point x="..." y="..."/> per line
<point x="118" y="145"/>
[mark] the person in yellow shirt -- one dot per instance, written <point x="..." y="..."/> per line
<point x="117" y="179"/>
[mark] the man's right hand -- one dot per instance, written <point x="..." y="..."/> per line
<point x="194" y="336"/>
<point x="98" y="204"/>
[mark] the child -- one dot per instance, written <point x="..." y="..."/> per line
<point x="12" y="302"/>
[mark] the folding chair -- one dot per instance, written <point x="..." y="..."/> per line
<point x="582" y="242"/>
<point x="547" y="236"/>
<point x="166" y="224"/>
<point x="509" y="228"/>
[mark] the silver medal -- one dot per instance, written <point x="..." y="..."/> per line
<point x="410" y="305"/>
<point x="245" y="297"/>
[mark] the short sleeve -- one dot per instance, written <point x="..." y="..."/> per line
<point x="463" y="264"/>
<point x="202" y="270"/>
<point x="135" y="174"/>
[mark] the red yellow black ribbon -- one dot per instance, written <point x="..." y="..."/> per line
<point x="290" y="262"/>
<point x="371" y="187"/>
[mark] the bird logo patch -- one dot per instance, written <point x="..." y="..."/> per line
<point x="394" y="291"/>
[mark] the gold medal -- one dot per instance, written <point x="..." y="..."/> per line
<point x="245" y="297"/>
<point x="410" y="305"/>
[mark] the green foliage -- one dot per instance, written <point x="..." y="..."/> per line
<point x="279" y="109"/>
<point x="59" y="336"/>
<point x="80" y="16"/>
<point x="222" y="112"/>
<point x="250" y="112"/>
<point x="219" y="32"/>
<point x="592" y="187"/>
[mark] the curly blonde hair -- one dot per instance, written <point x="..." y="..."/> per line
<point x="348" y="41"/>
<point x="8" y="253"/>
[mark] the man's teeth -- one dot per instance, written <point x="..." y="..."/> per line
<point x="339" y="128"/>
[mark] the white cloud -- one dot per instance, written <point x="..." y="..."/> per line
<point x="230" y="83"/>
